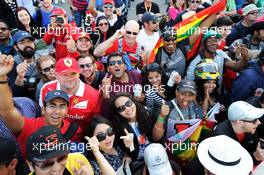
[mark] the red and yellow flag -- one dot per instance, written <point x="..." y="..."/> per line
<point x="188" y="26"/>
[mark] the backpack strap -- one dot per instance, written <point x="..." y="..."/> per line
<point x="71" y="131"/>
<point x="120" y="46"/>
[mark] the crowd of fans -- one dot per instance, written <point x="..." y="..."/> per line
<point x="80" y="95"/>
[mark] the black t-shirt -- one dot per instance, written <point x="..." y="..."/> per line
<point x="140" y="9"/>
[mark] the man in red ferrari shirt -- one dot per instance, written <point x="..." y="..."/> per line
<point x="54" y="110"/>
<point x="60" y="31"/>
<point x="84" y="100"/>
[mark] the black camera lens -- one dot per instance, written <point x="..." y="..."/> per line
<point x="59" y="19"/>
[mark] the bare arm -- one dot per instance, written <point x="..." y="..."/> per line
<point x="202" y="28"/>
<point x="102" y="48"/>
<point x="8" y="113"/>
<point x="92" y="9"/>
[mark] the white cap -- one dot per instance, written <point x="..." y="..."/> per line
<point x="241" y="110"/>
<point x="249" y="8"/>
<point x="157" y="160"/>
<point x="222" y="155"/>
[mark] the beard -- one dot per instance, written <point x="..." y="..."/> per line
<point x="28" y="52"/>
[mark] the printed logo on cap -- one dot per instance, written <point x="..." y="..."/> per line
<point x="68" y="62"/>
<point x="157" y="159"/>
<point x="57" y="93"/>
<point x="51" y="140"/>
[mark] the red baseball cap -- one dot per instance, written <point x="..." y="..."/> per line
<point x="58" y="11"/>
<point x="109" y="2"/>
<point x="83" y="35"/>
<point x="67" y="64"/>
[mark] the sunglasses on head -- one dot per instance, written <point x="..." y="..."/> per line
<point x="133" y="33"/>
<point x="103" y="24"/>
<point x="113" y="63"/>
<point x="48" y="164"/>
<point x="122" y="108"/>
<point x="168" y="39"/>
<point x="88" y="65"/>
<point x="153" y="66"/>
<point x="108" y="6"/>
<point x="47" y="69"/>
<point x="102" y="136"/>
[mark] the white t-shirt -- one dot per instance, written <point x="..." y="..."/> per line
<point x="147" y="41"/>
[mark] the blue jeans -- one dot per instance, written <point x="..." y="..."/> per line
<point x="79" y="15"/>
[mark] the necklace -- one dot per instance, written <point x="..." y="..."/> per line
<point x="146" y="7"/>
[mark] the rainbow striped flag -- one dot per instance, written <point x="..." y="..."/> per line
<point x="188" y="26"/>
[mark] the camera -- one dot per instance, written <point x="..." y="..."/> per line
<point x="31" y="82"/>
<point x="59" y="20"/>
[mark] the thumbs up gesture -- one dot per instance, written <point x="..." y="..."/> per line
<point x="71" y="45"/>
<point x="128" y="140"/>
<point x="165" y="109"/>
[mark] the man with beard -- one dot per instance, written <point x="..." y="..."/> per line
<point x="243" y="120"/>
<point x="254" y="41"/>
<point x="24" y="76"/>
<point x="6" y="43"/>
<point x="209" y="51"/>
<point x="148" y="36"/>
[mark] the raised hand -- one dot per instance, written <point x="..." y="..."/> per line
<point x="128" y="140"/>
<point x="165" y="109"/>
<point x="6" y="64"/>
<point x="93" y="142"/>
<point x="71" y="45"/>
<point x="83" y="170"/>
<point x="22" y="70"/>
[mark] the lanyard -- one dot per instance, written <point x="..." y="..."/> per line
<point x="178" y="110"/>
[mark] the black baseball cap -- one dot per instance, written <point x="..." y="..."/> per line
<point x="187" y="86"/>
<point x="149" y="16"/>
<point x="56" y="94"/>
<point x="46" y="143"/>
<point x="7" y="150"/>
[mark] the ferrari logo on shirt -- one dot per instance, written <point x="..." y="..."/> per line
<point x="75" y="100"/>
<point x="81" y="105"/>
<point x="68" y="62"/>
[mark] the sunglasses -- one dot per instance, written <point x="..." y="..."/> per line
<point x="108" y="6"/>
<point x="253" y="13"/>
<point x="47" y="69"/>
<point x="253" y="121"/>
<point x="153" y="22"/>
<point x="197" y="2"/>
<point x="102" y="136"/>
<point x="133" y="33"/>
<point x="88" y="65"/>
<point x="168" y="39"/>
<point x="48" y="164"/>
<point x="153" y="66"/>
<point x="113" y="63"/>
<point x="122" y="108"/>
<point x="103" y="24"/>
<point x="3" y="28"/>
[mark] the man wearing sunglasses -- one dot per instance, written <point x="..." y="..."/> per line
<point x="243" y="120"/>
<point x="48" y="153"/>
<point x="109" y="12"/>
<point x="124" y="41"/>
<point x="149" y="35"/>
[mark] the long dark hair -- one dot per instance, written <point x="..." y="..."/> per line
<point x="90" y="132"/>
<point x="19" y="25"/>
<point x="200" y="90"/>
<point x="109" y="32"/>
<point x="142" y="116"/>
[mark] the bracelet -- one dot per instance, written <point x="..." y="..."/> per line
<point x="161" y="119"/>
<point x="3" y="82"/>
